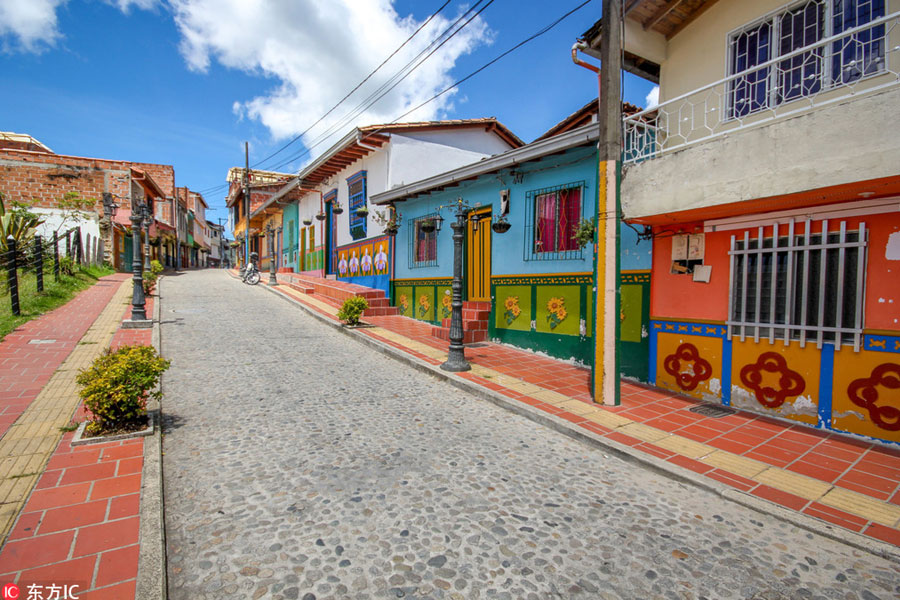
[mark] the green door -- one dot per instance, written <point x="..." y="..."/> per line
<point x="129" y="254"/>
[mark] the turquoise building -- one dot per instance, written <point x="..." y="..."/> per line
<point x="532" y="285"/>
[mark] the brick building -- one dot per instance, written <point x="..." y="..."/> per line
<point x="32" y="174"/>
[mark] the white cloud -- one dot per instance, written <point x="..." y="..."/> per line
<point x="30" y="23"/>
<point x="318" y="51"/>
<point x="653" y="97"/>
<point x="125" y="5"/>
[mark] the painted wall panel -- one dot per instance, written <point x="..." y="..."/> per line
<point x="866" y="393"/>
<point x="690" y="365"/>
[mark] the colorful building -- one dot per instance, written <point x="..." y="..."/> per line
<point x="532" y="285"/>
<point x="331" y="228"/>
<point x="773" y="197"/>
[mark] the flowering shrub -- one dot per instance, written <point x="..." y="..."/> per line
<point x="116" y="386"/>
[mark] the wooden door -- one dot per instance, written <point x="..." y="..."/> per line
<point x="478" y="252"/>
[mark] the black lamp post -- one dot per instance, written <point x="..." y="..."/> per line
<point x="137" y="295"/>
<point x="109" y="211"/>
<point x="145" y="211"/>
<point x="270" y="231"/>
<point x="456" y="356"/>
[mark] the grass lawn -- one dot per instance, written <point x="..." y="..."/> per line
<point x="55" y="294"/>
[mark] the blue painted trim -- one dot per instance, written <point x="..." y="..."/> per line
<point x="826" y="383"/>
<point x="726" y="372"/>
<point x="700" y="329"/>
<point x="651" y="367"/>
<point x="882" y="343"/>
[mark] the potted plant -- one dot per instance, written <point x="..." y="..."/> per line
<point x="362" y="211"/>
<point x="336" y="208"/>
<point x="321" y="216"/>
<point x="428" y="225"/>
<point x="501" y="225"/>
<point x="584" y="233"/>
<point x="390" y="221"/>
<point x="307" y="222"/>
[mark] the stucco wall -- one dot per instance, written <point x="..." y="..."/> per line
<point x="854" y="140"/>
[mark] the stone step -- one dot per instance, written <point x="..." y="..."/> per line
<point x="469" y="337"/>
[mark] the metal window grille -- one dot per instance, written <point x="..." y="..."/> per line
<point x="422" y="244"/>
<point x="806" y="73"/>
<point x="798" y="287"/>
<point x="552" y="215"/>
<point x="357" y="189"/>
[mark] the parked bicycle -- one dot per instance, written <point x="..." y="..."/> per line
<point x="251" y="274"/>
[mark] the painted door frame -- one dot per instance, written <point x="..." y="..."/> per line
<point x="478" y="272"/>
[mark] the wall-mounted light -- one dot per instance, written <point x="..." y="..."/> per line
<point x="504" y="202"/>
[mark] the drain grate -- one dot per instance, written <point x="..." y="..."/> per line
<point x="477" y="345"/>
<point x="711" y="410"/>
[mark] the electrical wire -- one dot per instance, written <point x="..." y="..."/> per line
<point x="392" y="83"/>
<point x="358" y="85"/>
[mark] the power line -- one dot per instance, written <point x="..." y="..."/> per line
<point x="360" y="84"/>
<point x="393" y="82"/>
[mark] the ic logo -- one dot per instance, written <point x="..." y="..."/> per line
<point x="10" y="591"/>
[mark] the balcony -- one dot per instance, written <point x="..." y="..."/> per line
<point x="820" y="115"/>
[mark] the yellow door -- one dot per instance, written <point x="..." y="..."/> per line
<point x="478" y="250"/>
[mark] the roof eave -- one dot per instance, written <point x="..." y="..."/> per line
<point x="552" y="145"/>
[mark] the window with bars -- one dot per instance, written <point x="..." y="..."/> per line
<point x="801" y="75"/>
<point x="422" y="244"/>
<point x="357" y="190"/>
<point x="806" y="287"/>
<point x="552" y="217"/>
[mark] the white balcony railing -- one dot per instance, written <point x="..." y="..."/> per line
<point x="857" y="61"/>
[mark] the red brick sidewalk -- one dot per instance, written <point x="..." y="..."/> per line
<point x="81" y="525"/>
<point x="753" y="443"/>
<point x="25" y="366"/>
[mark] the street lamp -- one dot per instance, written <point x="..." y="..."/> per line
<point x="456" y="357"/>
<point x="271" y="231"/>
<point x="138" y="313"/>
<point x="109" y="211"/>
<point x="147" y="221"/>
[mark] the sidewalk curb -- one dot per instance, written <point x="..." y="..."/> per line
<point x="680" y="474"/>
<point x="151" y="579"/>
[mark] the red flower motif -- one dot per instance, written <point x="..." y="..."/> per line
<point x="691" y="377"/>
<point x="790" y="383"/>
<point x="864" y="393"/>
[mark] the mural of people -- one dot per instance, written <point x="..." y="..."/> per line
<point x="354" y="263"/>
<point x="381" y="260"/>
<point x="342" y="265"/>
<point x="365" y="264"/>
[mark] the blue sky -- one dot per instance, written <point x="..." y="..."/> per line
<point x="117" y="79"/>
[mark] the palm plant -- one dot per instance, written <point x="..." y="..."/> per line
<point x="20" y="224"/>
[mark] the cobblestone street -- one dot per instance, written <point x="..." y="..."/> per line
<point x="302" y="464"/>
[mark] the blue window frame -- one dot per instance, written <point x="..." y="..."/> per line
<point x="356" y="185"/>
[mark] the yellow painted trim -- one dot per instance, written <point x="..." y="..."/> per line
<point x="881" y="332"/>
<point x="633" y="271"/>
<point x="572" y="274"/>
<point x="600" y="279"/>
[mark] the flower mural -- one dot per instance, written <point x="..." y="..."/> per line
<point x="403" y="304"/>
<point x="557" y="309"/>
<point x="864" y="393"/>
<point x="512" y="309"/>
<point x="687" y="367"/>
<point x="424" y="305"/>
<point x="446" y="302"/>
<point x="789" y="383"/>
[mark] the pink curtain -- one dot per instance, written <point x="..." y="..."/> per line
<point x="569" y="213"/>
<point x="546" y="216"/>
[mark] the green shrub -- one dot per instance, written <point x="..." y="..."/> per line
<point x="149" y="281"/>
<point x="352" y="309"/>
<point x="116" y="387"/>
<point x="156" y="267"/>
<point x="66" y="266"/>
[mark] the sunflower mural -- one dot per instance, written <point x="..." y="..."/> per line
<point x="556" y="307"/>
<point x="403" y="304"/>
<point x="446" y="302"/>
<point x="424" y="305"/>
<point x="512" y="309"/>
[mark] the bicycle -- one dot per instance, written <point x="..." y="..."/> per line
<point x="251" y="274"/>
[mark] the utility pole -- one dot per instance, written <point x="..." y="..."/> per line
<point x="247" y="202"/>
<point x="605" y="386"/>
